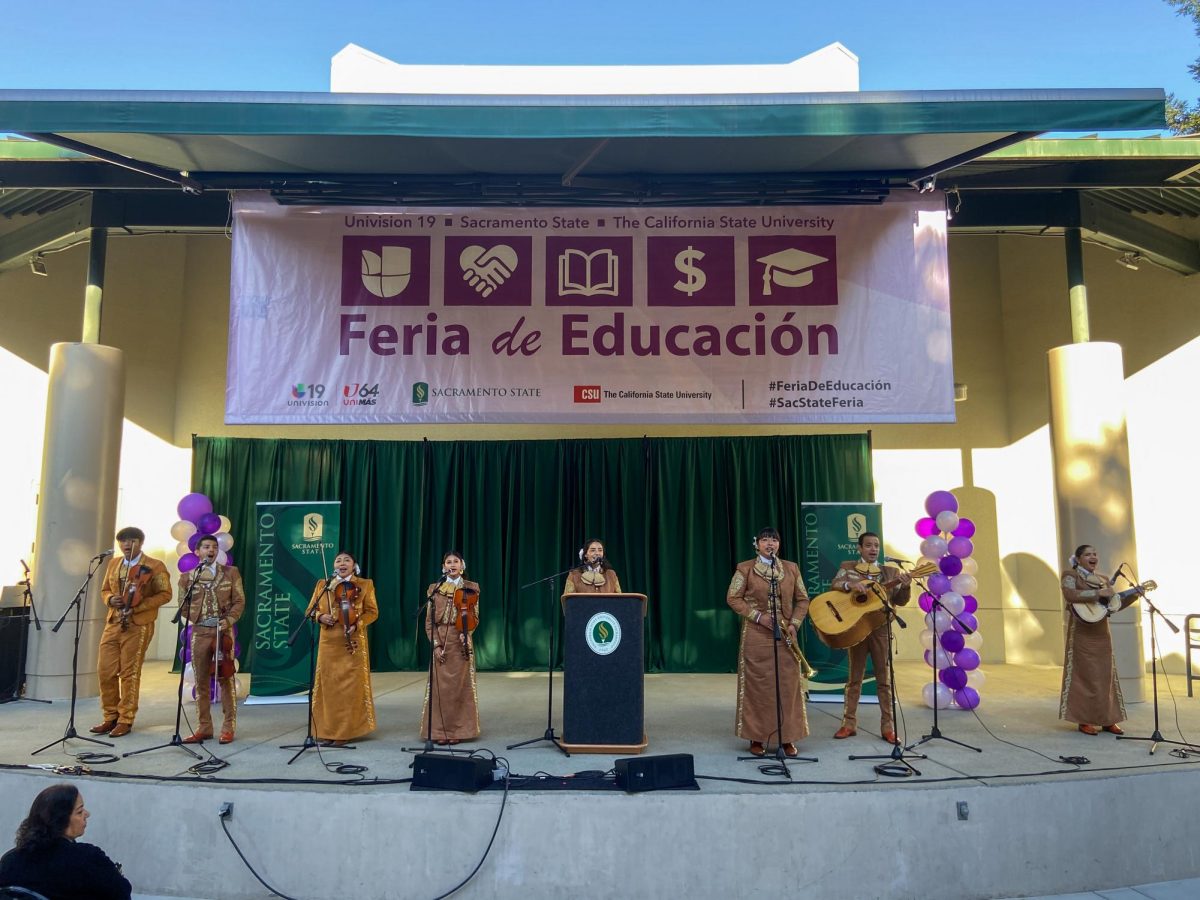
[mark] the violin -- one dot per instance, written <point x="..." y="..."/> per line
<point x="345" y="595"/>
<point x="466" y="615"/>
<point x="132" y="595"/>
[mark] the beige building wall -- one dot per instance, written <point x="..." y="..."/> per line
<point x="167" y="306"/>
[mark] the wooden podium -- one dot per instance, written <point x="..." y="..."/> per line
<point x="603" y="673"/>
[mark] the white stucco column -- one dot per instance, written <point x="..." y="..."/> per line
<point x="77" y="508"/>
<point x="1093" y="495"/>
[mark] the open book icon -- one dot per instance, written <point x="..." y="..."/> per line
<point x="588" y="274"/>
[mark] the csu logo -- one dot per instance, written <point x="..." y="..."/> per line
<point x="856" y="524"/>
<point x="603" y="633"/>
<point x="420" y="393"/>
<point x="587" y="393"/>
<point x="314" y="526"/>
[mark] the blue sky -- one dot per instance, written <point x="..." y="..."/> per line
<point x="272" y="45"/>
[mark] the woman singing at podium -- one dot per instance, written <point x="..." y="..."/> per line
<point x="344" y="604"/>
<point x="450" y="618"/>
<point x="594" y="574"/>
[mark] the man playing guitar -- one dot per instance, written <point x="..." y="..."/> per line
<point x="852" y="577"/>
<point x="135" y="586"/>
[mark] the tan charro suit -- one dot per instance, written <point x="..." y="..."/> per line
<point x="218" y="594"/>
<point x="127" y="634"/>
<point x="875" y="645"/>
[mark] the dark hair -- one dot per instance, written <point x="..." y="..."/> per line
<point x="48" y="817"/>
<point x="208" y="537"/>
<point x="130" y="533"/>
<point x="1080" y="549"/>
<point x="866" y="534"/>
<point x="461" y="558"/>
<point x="346" y="553"/>
<point x="767" y="532"/>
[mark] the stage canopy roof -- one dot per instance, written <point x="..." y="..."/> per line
<point x="165" y="159"/>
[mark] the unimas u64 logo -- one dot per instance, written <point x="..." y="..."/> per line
<point x="603" y="634"/>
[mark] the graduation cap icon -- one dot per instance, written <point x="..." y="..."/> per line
<point x="789" y="268"/>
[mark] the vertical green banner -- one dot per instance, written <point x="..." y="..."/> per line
<point x="831" y="533"/>
<point x="296" y="546"/>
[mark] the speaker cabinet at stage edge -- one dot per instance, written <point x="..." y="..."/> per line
<point x="14" y="624"/>
<point x="655" y="773"/>
<point x="435" y="772"/>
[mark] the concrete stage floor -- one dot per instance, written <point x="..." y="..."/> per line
<point x="1034" y="825"/>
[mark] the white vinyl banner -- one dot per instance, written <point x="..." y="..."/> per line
<point x="806" y="314"/>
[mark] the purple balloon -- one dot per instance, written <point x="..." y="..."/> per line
<point x="926" y="528"/>
<point x="970" y="604"/>
<point x="966" y="528"/>
<point x="960" y="547"/>
<point x="185" y="644"/>
<point x="938" y="584"/>
<point x="193" y="541"/>
<point x="966" y="659"/>
<point x="193" y="506"/>
<point x="952" y="642"/>
<point x="940" y="501"/>
<point x="950" y="565"/>
<point x="925" y="601"/>
<point x="966" y="698"/>
<point x="966" y="619"/>
<point x="188" y="561"/>
<point x="209" y="523"/>
<point x="953" y="678"/>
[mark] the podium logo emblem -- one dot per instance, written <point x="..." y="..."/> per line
<point x="314" y="526"/>
<point x="603" y="634"/>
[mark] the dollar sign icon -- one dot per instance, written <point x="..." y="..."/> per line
<point x="685" y="262"/>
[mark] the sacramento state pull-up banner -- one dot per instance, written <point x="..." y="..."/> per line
<point x="805" y="314"/>
<point x="296" y="543"/>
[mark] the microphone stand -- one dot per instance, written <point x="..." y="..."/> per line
<point x="309" y="740"/>
<point x="22" y="645"/>
<point x="429" y="747"/>
<point x="80" y="595"/>
<point x="184" y="610"/>
<point x="936" y="734"/>
<point x="777" y="639"/>
<point x="549" y="733"/>
<point x="899" y="767"/>
<point x="1156" y="737"/>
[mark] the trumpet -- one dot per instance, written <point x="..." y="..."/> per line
<point x="806" y="670"/>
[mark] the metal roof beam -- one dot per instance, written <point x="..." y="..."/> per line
<point x="188" y="184"/>
<point x="1156" y="244"/>
<point x="16" y="247"/>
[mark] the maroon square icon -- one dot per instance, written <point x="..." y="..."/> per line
<point x="382" y="270"/>
<point x="689" y="271"/>
<point x="793" y="270"/>
<point x="589" y="271"/>
<point x="488" y="271"/>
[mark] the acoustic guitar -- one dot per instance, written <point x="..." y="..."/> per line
<point x="843" y="620"/>
<point x="1100" y="609"/>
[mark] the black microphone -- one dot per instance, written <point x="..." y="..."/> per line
<point x="25" y="567"/>
<point x="897" y="559"/>
<point x="100" y="556"/>
<point x="1117" y="574"/>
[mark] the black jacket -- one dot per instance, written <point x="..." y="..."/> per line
<point x="65" y="870"/>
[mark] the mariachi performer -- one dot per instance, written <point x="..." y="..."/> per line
<point x="343" y="707"/>
<point x="756" y="582"/>
<point x="1091" y="693"/>
<point x="135" y="586"/>
<point x="213" y="600"/>
<point x="853" y="577"/>
<point x="594" y="574"/>
<point x="450" y="618"/>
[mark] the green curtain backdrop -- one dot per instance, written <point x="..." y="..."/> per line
<point x="675" y="514"/>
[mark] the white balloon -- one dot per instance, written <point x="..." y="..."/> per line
<point x="226" y="525"/>
<point x="947" y="521"/>
<point x="938" y="690"/>
<point x="975" y="679"/>
<point x="970" y="567"/>
<point x="933" y="547"/>
<point x="181" y="548"/>
<point x="926" y="637"/>
<point x="940" y="657"/>
<point x="223" y="557"/>
<point x="224" y="541"/>
<point x="953" y="602"/>
<point x="964" y="584"/>
<point x="974" y="640"/>
<point x="182" y="530"/>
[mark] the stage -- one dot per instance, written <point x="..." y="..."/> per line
<point x="1031" y="824"/>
